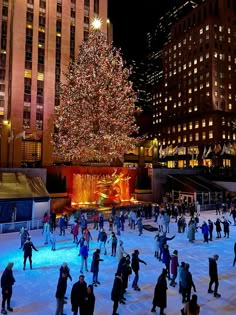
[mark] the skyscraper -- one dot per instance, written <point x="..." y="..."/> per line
<point x="194" y="93"/>
<point x="38" y="39"/>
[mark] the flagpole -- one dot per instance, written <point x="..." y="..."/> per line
<point x="13" y="146"/>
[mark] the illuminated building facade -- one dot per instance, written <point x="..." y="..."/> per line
<point x="38" y="38"/>
<point x="194" y="97"/>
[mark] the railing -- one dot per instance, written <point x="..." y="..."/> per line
<point x="16" y="226"/>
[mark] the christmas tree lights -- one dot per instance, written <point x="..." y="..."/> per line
<point x="96" y="117"/>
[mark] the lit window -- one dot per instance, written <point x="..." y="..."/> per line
<point x="201" y="86"/>
<point x="179" y="128"/>
<point x="207" y="93"/>
<point x="170" y="98"/>
<point x="207" y="36"/>
<point x="222" y="56"/>
<point x="165" y="99"/>
<point x="184" y="66"/>
<point x="165" y="107"/>
<point x="203" y="135"/>
<point x="195" y="108"/>
<point x="190" y="99"/>
<point x="179" y="104"/>
<point x="230" y="86"/>
<point x="210" y="134"/>
<point x="190" y="64"/>
<point x="229" y="67"/>
<point x="179" y="44"/>
<point x="216" y="83"/>
<point x="223" y="135"/>
<point x="179" y="139"/>
<point x="196" y="124"/>
<point x="190" y="38"/>
<point x="230" y="96"/>
<point x="216" y="94"/>
<point x="201" y="58"/>
<point x="174" y="47"/>
<point x="207" y="27"/>
<point x="40" y="76"/>
<point x="204" y="123"/>
<point x="189" y="91"/>
<point x="195" y="89"/>
<point x="215" y="54"/>
<point x="184" y="41"/>
<point x="179" y="94"/>
<point x="207" y="84"/>
<point x="190" y="110"/>
<point x="175" y="105"/>
<point x="210" y="123"/>
<point x="228" y="137"/>
<point x="229" y="30"/>
<point x="173" y="129"/>
<point x="207" y="55"/>
<point x="168" y="131"/>
<point x="201" y="31"/>
<point x="196" y="136"/>
<point x="230" y="106"/>
<point x="229" y="58"/>
<point x="190" y="137"/>
<point x="184" y="138"/>
<point x="229" y="40"/>
<point x="27" y="73"/>
<point x="207" y="74"/>
<point x="195" y="61"/>
<point x="190" y="125"/>
<point x="184" y="127"/>
<point x="220" y="28"/>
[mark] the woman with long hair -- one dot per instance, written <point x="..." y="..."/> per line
<point x="191" y="307"/>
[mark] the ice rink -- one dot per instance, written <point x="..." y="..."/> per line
<point x="34" y="290"/>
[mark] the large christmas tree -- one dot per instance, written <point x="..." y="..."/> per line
<point x="96" y="118"/>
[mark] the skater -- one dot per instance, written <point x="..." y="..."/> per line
<point x="210" y="227"/>
<point x="116" y="292"/>
<point x="28" y="252"/>
<point x="226" y="227"/>
<point x="7" y="281"/>
<point x="102" y="238"/>
<point x="60" y="293"/>
<point x="120" y="251"/>
<point x="174" y="267"/>
<point x="75" y="231"/>
<point x="78" y="296"/>
<point x="87" y="236"/>
<point x="160" y="296"/>
<point x="135" y="267"/>
<point x="46" y="232"/>
<point x="213" y="273"/>
<point x="187" y="284"/>
<point x="113" y="240"/>
<point x="90" y="301"/>
<point x="140" y="225"/>
<point x="24" y="234"/>
<point x="191" y="307"/>
<point x="156" y="245"/>
<point x="166" y="259"/>
<point x="62" y="225"/>
<point x="205" y="232"/>
<point x="95" y="266"/>
<point x="95" y="221"/>
<point x="84" y="257"/>
<point x="53" y="240"/>
<point x="218" y="228"/>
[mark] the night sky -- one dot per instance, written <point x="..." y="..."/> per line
<point x="132" y="19"/>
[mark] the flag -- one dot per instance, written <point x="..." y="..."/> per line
<point x="160" y="152"/>
<point x="175" y="150"/>
<point x="204" y="152"/>
<point x="20" y="135"/>
<point x="208" y="151"/>
<point x="223" y="150"/>
<point x="217" y="148"/>
<point x="11" y="137"/>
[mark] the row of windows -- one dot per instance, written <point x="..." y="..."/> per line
<point x="196" y="137"/>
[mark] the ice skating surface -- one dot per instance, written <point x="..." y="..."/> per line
<point x="34" y="290"/>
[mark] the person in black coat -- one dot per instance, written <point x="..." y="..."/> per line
<point x="135" y="266"/>
<point x="210" y="227"/>
<point x="116" y="292"/>
<point x="27" y="248"/>
<point x="65" y="271"/>
<point x="90" y="301"/>
<point x="160" y="296"/>
<point x="95" y="266"/>
<point x="60" y="293"/>
<point x="7" y="281"/>
<point x="213" y="273"/>
<point x="78" y="296"/>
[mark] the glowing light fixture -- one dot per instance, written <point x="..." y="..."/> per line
<point x="96" y="24"/>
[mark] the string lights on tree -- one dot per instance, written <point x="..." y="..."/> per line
<point x="96" y="117"/>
